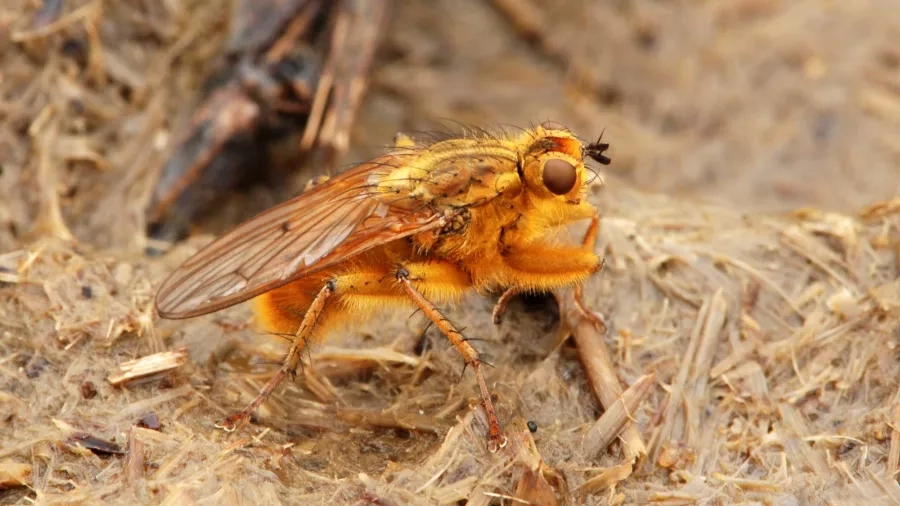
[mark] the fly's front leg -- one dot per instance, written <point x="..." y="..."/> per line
<point x="415" y="276"/>
<point x="589" y="243"/>
<point x="547" y="267"/>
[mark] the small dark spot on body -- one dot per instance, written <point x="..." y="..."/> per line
<point x="485" y="169"/>
<point x="87" y="292"/>
<point x="285" y="227"/>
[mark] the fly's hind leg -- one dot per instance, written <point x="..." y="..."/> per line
<point x="347" y="295"/>
<point x="413" y="277"/>
<point x="291" y="361"/>
<point x="367" y="290"/>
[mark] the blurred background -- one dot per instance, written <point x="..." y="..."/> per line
<point x="765" y="105"/>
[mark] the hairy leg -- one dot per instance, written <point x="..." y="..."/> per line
<point x="360" y="292"/>
<point x="550" y="267"/>
<point x="589" y="243"/>
<point x="291" y="361"/>
<point x="417" y="278"/>
<point x="291" y="310"/>
<point x="502" y="302"/>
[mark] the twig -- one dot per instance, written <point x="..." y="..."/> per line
<point x="605" y="383"/>
<point x="614" y="419"/>
<point x="134" y="458"/>
<point x="353" y="54"/>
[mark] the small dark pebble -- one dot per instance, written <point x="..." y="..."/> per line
<point x="35" y="367"/>
<point x="532" y="426"/>
<point x="77" y="50"/>
<point x="87" y="292"/>
<point x="150" y="420"/>
<point x="88" y="390"/>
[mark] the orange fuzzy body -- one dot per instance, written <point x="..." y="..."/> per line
<point x="421" y="225"/>
<point x="506" y="242"/>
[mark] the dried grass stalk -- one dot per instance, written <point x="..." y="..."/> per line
<point x="605" y="383"/>
<point x="614" y="419"/>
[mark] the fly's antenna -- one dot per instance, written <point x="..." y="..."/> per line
<point x="596" y="149"/>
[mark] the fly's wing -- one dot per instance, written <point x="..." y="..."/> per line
<point x="324" y="225"/>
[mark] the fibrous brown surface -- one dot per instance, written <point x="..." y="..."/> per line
<point x="753" y="346"/>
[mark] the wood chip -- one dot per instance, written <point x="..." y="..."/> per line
<point x="134" y="459"/>
<point x="150" y="366"/>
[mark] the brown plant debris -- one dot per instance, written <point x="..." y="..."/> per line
<point x="149" y="367"/>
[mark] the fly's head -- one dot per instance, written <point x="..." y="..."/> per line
<point x="552" y="164"/>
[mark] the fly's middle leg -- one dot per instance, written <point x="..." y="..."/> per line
<point x="418" y="280"/>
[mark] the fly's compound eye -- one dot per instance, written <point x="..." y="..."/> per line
<point x="559" y="176"/>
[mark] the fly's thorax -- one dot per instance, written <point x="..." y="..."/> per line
<point x="457" y="173"/>
<point x="394" y="184"/>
